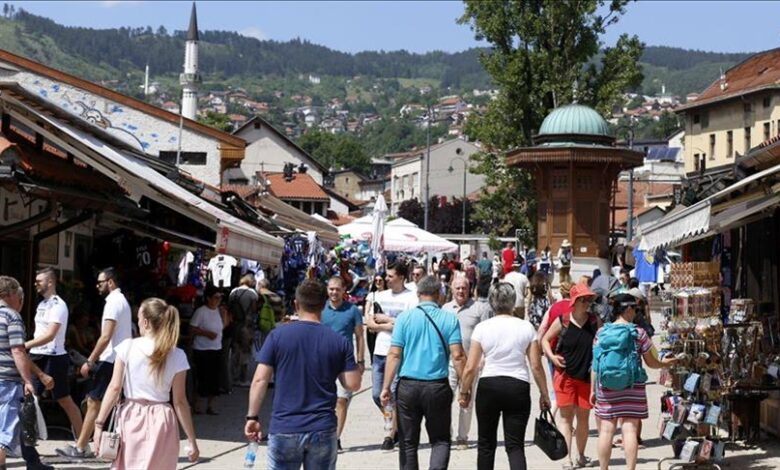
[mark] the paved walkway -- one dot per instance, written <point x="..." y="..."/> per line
<point x="222" y="445"/>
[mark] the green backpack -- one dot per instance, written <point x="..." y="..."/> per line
<point x="266" y="320"/>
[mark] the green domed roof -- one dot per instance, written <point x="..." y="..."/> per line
<point x="574" y="119"/>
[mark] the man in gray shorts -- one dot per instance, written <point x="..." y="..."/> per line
<point x="345" y="319"/>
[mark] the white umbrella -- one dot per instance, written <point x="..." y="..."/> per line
<point x="378" y="217"/>
<point x="399" y="235"/>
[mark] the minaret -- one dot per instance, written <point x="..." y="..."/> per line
<point x="190" y="79"/>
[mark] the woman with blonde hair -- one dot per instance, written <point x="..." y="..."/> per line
<point x="146" y="369"/>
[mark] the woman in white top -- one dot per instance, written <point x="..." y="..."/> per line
<point x="206" y="327"/>
<point x="508" y="345"/>
<point x="147" y="368"/>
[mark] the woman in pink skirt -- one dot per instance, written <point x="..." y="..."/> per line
<point x="147" y="368"/>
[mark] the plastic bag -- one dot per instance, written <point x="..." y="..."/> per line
<point x="29" y="418"/>
<point x="43" y="433"/>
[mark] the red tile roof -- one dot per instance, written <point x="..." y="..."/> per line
<point x="302" y="186"/>
<point x="755" y="73"/>
<point x="243" y="190"/>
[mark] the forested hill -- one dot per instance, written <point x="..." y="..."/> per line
<point x="112" y="53"/>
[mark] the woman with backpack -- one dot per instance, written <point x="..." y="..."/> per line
<point x="618" y="379"/>
<point x="573" y="354"/>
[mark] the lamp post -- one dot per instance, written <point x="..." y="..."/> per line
<point x="465" y="173"/>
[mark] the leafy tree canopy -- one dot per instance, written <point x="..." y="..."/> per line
<point x="335" y="150"/>
<point x="543" y="54"/>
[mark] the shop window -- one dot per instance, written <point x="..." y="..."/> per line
<point x="747" y="139"/>
<point x="187" y="158"/>
<point x="730" y="144"/>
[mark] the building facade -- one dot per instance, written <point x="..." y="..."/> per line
<point x="734" y="114"/>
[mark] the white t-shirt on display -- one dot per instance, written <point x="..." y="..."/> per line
<point x="392" y="306"/>
<point x="116" y="309"/>
<point x="51" y="310"/>
<point x="505" y="341"/>
<point x="221" y="267"/>
<point x="140" y="383"/>
<point x="207" y="319"/>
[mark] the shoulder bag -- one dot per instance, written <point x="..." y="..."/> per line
<point x="438" y="331"/>
<point x="108" y="447"/>
<point x="548" y="438"/>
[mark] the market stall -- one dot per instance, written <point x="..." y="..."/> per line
<point x="400" y="235"/>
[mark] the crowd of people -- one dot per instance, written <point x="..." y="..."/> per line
<point x="438" y="338"/>
<point x="458" y="334"/>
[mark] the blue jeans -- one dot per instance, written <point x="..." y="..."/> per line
<point x="378" y="377"/>
<point x="314" y="450"/>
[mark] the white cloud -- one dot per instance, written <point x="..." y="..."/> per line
<point x="253" y="32"/>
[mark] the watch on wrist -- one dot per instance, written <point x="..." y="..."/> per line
<point x="253" y="418"/>
<point x="361" y="362"/>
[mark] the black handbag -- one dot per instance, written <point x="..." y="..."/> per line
<point x="548" y="438"/>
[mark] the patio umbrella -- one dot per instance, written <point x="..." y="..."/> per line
<point x="378" y="217"/>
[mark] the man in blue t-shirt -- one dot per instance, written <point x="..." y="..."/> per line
<point x="305" y="358"/>
<point x="423" y="340"/>
<point x="345" y="319"/>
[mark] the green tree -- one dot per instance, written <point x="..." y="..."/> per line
<point x="217" y="120"/>
<point x="543" y="54"/>
<point x="335" y="150"/>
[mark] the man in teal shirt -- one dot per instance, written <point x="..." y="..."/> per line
<point x="424" y="339"/>
<point x="346" y="319"/>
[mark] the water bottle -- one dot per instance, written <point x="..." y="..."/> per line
<point x="388" y="415"/>
<point x="251" y="454"/>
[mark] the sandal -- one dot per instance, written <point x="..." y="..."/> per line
<point x="583" y="462"/>
<point x="618" y="442"/>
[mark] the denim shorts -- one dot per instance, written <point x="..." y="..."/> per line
<point x="378" y="377"/>
<point x="316" y="449"/>
<point x="11" y="395"/>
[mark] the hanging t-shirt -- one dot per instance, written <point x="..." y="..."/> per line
<point x="646" y="267"/>
<point x="140" y="383"/>
<point x="210" y="320"/>
<point x="184" y="268"/>
<point x="221" y="267"/>
<point x="250" y="266"/>
<point x="392" y="305"/>
<point x="51" y="310"/>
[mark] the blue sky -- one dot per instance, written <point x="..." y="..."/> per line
<point x="419" y="26"/>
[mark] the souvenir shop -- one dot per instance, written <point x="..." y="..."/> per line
<point x="721" y="321"/>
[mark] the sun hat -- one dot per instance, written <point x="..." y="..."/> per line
<point x="580" y="290"/>
<point x="565" y="243"/>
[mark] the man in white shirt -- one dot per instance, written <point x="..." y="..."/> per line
<point x="116" y="327"/>
<point x="470" y="314"/>
<point x="396" y="299"/>
<point x="47" y="348"/>
<point x="520" y="282"/>
<point x="417" y="273"/>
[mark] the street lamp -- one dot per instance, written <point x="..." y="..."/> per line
<point x="465" y="173"/>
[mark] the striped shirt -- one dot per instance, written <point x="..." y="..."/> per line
<point x="11" y="335"/>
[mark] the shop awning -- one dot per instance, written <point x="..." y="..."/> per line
<point x="400" y="235"/>
<point x="233" y="236"/>
<point x="709" y="216"/>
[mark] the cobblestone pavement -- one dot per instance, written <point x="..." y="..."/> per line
<point x="222" y="446"/>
